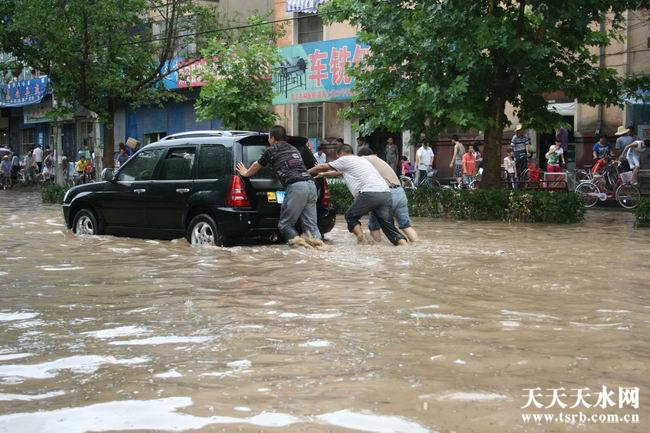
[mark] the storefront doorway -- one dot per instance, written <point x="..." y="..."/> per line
<point x="378" y="139"/>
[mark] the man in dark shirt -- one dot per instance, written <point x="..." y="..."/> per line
<point x="300" y="196"/>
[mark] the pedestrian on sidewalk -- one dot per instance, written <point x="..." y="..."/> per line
<point x="38" y="157"/>
<point x="320" y="155"/>
<point x="300" y="199"/>
<point x="632" y="153"/>
<point x="624" y="138"/>
<point x="469" y="166"/>
<point x="29" y="164"/>
<point x="520" y="144"/>
<point x="370" y="192"/>
<point x="554" y="155"/>
<point x="423" y="161"/>
<point x="361" y="143"/>
<point x="15" y="167"/>
<point x="510" y="167"/>
<point x="457" y="159"/>
<point x="400" y="209"/>
<point x="392" y="155"/>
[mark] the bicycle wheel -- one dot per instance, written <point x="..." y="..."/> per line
<point x="628" y="195"/>
<point x="407" y="183"/>
<point x="587" y="194"/>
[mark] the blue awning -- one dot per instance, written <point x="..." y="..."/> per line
<point x="24" y="92"/>
<point x="639" y="97"/>
<point x="309" y="6"/>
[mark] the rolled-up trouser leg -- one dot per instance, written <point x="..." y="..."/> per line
<point x="383" y="213"/>
<point x="295" y="200"/>
<point x="309" y="218"/>
<point x="363" y="203"/>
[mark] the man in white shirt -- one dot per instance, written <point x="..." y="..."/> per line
<point x="400" y="206"/>
<point x="423" y="161"/>
<point x="370" y="192"/>
<point x="38" y="157"/>
<point x="632" y="152"/>
<point x="321" y="157"/>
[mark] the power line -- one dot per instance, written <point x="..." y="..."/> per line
<point x="225" y="29"/>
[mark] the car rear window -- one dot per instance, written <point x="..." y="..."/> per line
<point x="252" y="149"/>
<point x="251" y="153"/>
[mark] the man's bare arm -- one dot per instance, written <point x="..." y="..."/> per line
<point x="332" y="173"/>
<point x="319" y="168"/>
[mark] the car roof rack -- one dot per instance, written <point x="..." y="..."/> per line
<point x="208" y="133"/>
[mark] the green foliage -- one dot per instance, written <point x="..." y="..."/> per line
<point x="642" y="213"/>
<point x="101" y="53"/>
<point x="53" y="193"/>
<point x="483" y="204"/>
<point x="435" y="64"/>
<point x="239" y="90"/>
<point x="340" y="196"/>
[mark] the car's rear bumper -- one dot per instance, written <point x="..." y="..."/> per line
<point x="240" y="223"/>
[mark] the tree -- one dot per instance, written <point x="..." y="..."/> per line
<point x="238" y="71"/>
<point x="100" y="54"/>
<point x="438" y="63"/>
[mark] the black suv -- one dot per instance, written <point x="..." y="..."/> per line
<point x="186" y="186"/>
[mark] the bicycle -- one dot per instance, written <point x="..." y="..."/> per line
<point x="429" y="181"/>
<point x="611" y="184"/>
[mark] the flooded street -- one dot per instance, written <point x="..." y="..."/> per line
<point x="121" y="334"/>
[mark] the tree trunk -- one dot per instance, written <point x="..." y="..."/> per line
<point x="109" y="138"/>
<point x="493" y="140"/>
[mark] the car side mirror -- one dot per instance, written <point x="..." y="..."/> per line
<point x="108" y="175"/>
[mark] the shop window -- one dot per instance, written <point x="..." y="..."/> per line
<point x="153" y="137"/>
<point x="310" y="28"/>
<point x="310" y="120"/>
<point x="28" y="140"/>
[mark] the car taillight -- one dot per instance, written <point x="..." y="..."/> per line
<point x="237" y="196"/>
<point x="325" y="201"/>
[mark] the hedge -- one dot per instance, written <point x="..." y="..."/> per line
<point x="483" y="204"/>
<point x="642" y="213"/>
<point x="53" y="193"/>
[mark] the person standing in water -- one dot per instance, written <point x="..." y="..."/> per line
<point x="370" y="192"/>
<point x="301" y="196"/>
<point x="400" y="207"/>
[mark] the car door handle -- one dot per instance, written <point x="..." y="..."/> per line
<point x="139" y="190"/>
<point x="183" y="190"/>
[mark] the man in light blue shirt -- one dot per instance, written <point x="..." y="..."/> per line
<point x="321" y="157"/>
<point x="624" y="138"/>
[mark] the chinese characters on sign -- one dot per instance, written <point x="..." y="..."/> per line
<point x="24" y="92"/>
<point x="185" y="73"/>
<point x="317" y="71"/>
<point x="581" y="397"/>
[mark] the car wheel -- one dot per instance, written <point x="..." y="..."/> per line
<point x="202" y="230"/>
<point x="85" y="223"/>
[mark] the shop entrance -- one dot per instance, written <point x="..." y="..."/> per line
<point x="378" y="139"/>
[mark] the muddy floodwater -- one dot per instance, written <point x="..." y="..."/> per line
<point x="448" y="335"/>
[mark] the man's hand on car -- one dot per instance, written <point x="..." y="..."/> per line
<point x="241" y="168"/>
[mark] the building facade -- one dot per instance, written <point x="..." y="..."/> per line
<point x="150" y="123"/>
<point x="309" y="104"/>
